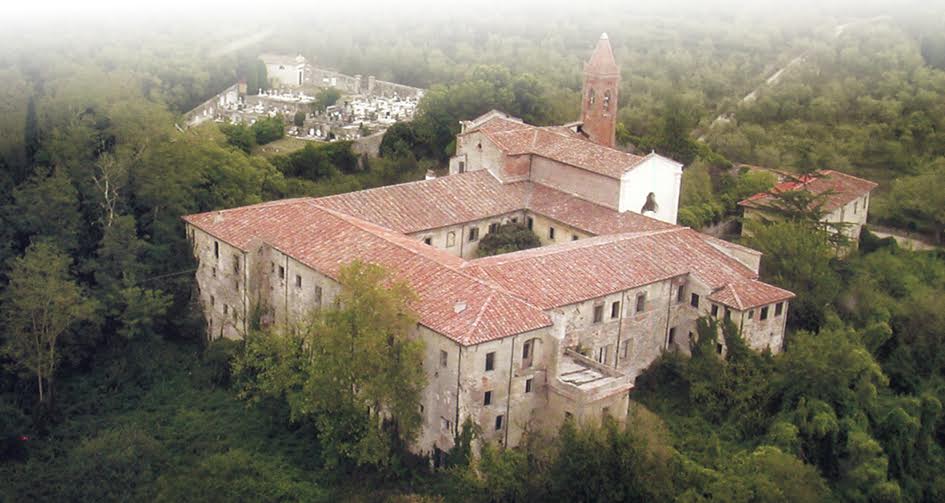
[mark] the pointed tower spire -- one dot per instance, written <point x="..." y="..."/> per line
<point x="599" y="103"/>
<point x="602" y="61"/>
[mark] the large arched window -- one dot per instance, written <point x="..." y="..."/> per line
<point x="607" y="100"/>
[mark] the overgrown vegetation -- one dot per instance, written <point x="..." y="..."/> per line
<point x="94" y="178"/>
<point x="508" y="238"/>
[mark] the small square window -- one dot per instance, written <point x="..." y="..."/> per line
<point x="764" y="313"/>
<point x="490" y="361"/>
<point x="487" y="398"/>
<point x="694" y="300"/>
<point x="641" y="302"/>
<point x="715" y="310"/>
<point x="598" y="313"/>
<point x="474" y="234"/>
<point x="615" y="309"/>
<point x="498" y="422"/>
<point x="551" y="232"/>
<point x="514" y="220"/>
<point x="528" y="385"/>
<point x="443" y="358"/>
<point x="574" y="237"/>
<point x="428" y="241"/>
<point x="298" y="281"/>
<point x="778" y="308"/>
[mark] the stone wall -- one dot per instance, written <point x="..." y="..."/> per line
<point x="584" y="184"/>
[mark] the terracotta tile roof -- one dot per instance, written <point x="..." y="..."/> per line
<point x="577" y="271"/>
<point x="557" y="143"/>
<point x="844" y="189"/>
<point x="567" y="148"/>
<point x="587" y="216"/>
<point x="450" y="301"/>
<point x="457" y="199"/>
<point x="431" y="204"/>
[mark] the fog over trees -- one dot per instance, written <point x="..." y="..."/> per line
<point x="109" y="390"/>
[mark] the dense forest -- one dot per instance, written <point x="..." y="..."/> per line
<point x="116" y="395"/>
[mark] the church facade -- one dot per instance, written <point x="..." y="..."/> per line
<point x="522" y="340"/>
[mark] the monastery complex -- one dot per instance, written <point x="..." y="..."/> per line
<point x="525" y="339"/>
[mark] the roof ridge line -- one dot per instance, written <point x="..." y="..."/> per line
<point x="357" y="222"/>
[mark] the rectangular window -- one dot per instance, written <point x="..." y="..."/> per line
<point x="751" y="314"/>
<point x="490" y="361"/>
<point x="856" y="205"/>
<point x="443" y="358"/>
<point x="605" y="411"/>
<point x="498" y="422"/>
<point x="528" y="385"/>
<point x="641" y="302"/>
<point x="487" y="398"/>
<point x="428" y="241"/>
<point x="728" y="314"/>
<point x="272" y="267"/>
<point x="778" y="308"/>
<point x="462" y="167"/>
<point x="672" y="337"/>
<point x="694" y="300"/>
<point x="715" y="310"/>
<point x="493" y="227"/>
<point x="213" y="272"/>
<point x="598" y="313"/>
<point x="615" y="309"/>
<point x="514" y="220"/>
<point x="444" y="423"/>
<point x="764" y="313"/>
<point x="281" y="272"/>
<point x="216" y="249"/>
<point x="626" y="349"/>
<point x="213" y="300"/>
<point x="226" y="308"/>
<point x="474" y="234"/>
<point x="680" y="295"/>
<point x="574" y="237"/>
<point x="531" y="222"/>
<point x="526" y="350"/>
<point x="236" y="263"/>
<point x="298" y="281"/>
<point x="551" y="232"/>
<point x="236" y="282"/>
<point x="450" y="239"/>
<point x="318" y="295"/>
<point x="718" y="348"/>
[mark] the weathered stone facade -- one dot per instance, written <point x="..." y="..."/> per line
<point x="515" y="342"/>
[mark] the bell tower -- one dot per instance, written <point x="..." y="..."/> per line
<point x="599" y="101"/>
